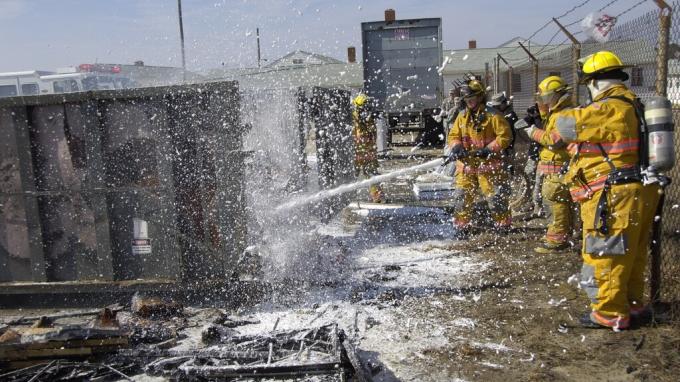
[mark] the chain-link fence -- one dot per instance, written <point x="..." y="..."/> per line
<point x="646" y="43"/>
<point x="670" y="255"/>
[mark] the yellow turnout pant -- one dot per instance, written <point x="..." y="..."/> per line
<point x="495" y="188"/>
<point x="556" y="196"/>
<point x="614" y="263"/>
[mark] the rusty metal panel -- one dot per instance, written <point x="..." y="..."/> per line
<point x="137" y="160"/>
<point x="331" y="113"/>
<point x="66" y="213"/>
<point x="209" y="178"/>
<point x="17" y="260"/>
<point x="84" y="175"/>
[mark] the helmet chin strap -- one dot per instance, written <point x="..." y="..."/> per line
<point x="597" y="87"/>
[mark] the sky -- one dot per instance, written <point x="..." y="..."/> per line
<point x="47" y="34"/>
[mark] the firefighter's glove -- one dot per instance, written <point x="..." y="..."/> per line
<point x="483" y="153"/>
<point x="457" y="152"/>
<point x="533" y="116"/>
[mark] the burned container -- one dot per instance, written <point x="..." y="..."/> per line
<point x="120" y="185"/>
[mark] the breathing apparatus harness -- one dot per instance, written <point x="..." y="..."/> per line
<point x="642" y="172"/>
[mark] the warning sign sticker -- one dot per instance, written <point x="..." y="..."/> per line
<point x="141" y="246"/>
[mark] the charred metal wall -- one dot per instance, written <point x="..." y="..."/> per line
<point x="332" y="117"/>
<point x="77" y="170"/>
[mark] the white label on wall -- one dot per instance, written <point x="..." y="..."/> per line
<point x="141" y="246"/>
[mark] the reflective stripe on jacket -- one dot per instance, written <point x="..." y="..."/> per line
<point x="608" y="122"/>
<point x="553" y="148"/>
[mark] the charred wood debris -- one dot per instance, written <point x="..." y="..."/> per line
<point x="117" y="343"/>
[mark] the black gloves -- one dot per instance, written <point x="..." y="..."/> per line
<point x="534" y="116"/>
<point x="457" y="152"/>
<point x="483" y="153"/>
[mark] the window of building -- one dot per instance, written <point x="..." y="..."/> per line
<point x="29" y="89"/>
<point x="8" y="90"/>
<point x="516" y="82"/>
<point x="636" y="78"/>
<point x="298" y="61"/>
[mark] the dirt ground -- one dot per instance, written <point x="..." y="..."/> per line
<point x="421" y="306"/>
<point x="533" y="313"/>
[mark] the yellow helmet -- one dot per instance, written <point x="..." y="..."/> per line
<point x="360" y="100"/>
<point x="551" y="85"/>
<point x="472" y="88"/>
<point x="550" y="89"/>
<point x="599" y="62"/>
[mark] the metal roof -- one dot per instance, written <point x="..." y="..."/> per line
<point x="306" y="56"/>
<point x="343" y="75"/>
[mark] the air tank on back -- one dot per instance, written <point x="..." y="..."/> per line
<point x="659" y="117"/>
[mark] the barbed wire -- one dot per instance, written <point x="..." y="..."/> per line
<point x="550" y="22"/>
<point x="566" y="13"/>
<point x="631" y="8"/>
<point x="572" y="9"/>
<point x="607" y="5"/>
<point x="547" y="47"/>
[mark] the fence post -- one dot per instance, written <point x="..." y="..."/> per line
<point x="487" y="75"/>
<point x="534" y="65"/>
<point x="665" y="13"/>
<point x="509" y="92"/>
<point x="575" y="56"/>
<point x="496" y="71"/>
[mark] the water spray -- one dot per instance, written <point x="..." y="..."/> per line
<point x="345" y="188"/>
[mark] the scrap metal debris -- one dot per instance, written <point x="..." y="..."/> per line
<point x="322" y="351"/>
<point x="22" y="346"/>
<point x="79" y="313"/>
<point x="61" y="370"/>
<point x="154" y="306"/>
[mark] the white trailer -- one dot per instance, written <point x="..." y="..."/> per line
<point x="25" y="83"/>
<point x="78" y="82"/>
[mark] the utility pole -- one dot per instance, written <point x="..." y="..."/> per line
<point x="257" y="32"/>
<point x="181" y="39"/>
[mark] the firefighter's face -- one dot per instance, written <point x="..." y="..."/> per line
<point x="472" y="102"/>
<point x="543" y="108"/>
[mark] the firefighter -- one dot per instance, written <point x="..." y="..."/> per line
<point x="553" y="98"/>
<point x="617" y="210"/>
<point x="477" y="139"/>
<point x="364" y="133"/>
<point x="450" y="108"/>
<point x="503" y="106"/>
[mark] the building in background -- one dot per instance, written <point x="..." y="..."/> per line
<point x="296" y="69"/>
